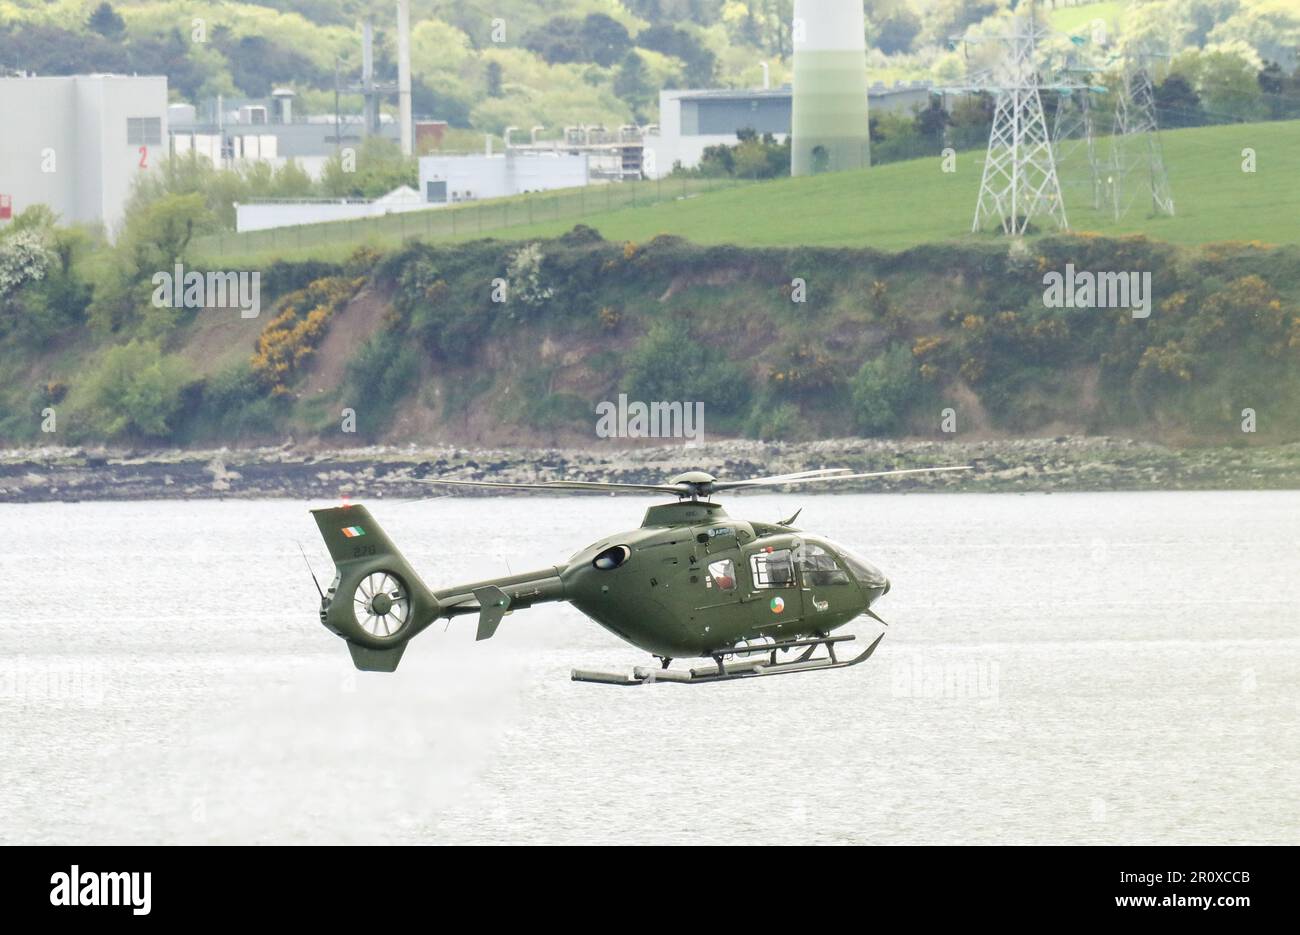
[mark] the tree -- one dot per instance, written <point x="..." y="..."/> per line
<point x="557" y="40"/>
<point x="160" y="233"/>
<point x="606" y="39"/>
<point x="380" y="168"/>
<point x="898" y="31"/>
<point x="1273" y="84"/>
<point x="258" y="64"/>
<point x="492" y="78"/>
<point x="106" y="21"/>
<point x="971" y="119"/>
<point x="596" y="38"/>
<point x="632" y="84"/>
<point x="946" y="18"/>
<point x="1229" y="85"/>
<point x="930" y="121"/>
<point x="699" y="63"/>
<point x="429" y="102"/>
<point x="1177" y="103"/>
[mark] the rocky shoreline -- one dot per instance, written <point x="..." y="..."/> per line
<point x="1066" y="463"/>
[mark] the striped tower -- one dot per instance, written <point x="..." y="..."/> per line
<point x="829" y="119"/>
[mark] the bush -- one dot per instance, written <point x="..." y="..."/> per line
<point x="292" y="336"/>
<point x="670" y="365"/>
<point x="385" y="369"/>
<point x="780" y="422"/>
<point x="135" y="390"/>
<point x="883" y="389"/>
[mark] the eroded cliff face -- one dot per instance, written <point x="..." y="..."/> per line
<point x="490" y="344"/>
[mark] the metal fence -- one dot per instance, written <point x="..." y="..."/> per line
<point x="463" y="220"/>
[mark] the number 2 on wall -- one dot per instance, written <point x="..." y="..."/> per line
<point x="144" y="157"/>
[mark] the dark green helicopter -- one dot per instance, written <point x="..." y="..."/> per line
<point x="757" y="598"/>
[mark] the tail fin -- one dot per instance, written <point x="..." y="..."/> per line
<point x="376" y="602"/>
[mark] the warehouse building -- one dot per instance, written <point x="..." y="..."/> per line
<point x="77" y="143"/>
<point x="451" y="179"/>
<point x="690" y="121"/>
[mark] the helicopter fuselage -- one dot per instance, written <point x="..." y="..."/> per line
<point x="693" y="581"/>
<point x="690" y="581"/>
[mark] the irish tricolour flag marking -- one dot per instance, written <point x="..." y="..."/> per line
<point x="353" y="531"/>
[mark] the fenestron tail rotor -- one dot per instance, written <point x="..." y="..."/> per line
<point x="381" y="604"/>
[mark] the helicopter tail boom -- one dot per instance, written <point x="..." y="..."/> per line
<point x="376" y="602"/>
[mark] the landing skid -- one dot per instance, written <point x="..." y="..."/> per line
<point x="723" y="671"/>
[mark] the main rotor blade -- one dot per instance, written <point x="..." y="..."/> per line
<point x="777" y="482"/>
<point x="561" y="485"/>
<point x="778" y="478"/>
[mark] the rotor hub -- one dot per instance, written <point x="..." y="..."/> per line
<point x="699" y="483"/>
<point x="381" y="604"/>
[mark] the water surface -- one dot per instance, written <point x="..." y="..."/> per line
<point x="1074" y="668"/>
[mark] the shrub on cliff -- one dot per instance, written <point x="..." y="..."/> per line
<point x="135" y="390"/>
<point x="882" y="390"/>
<point x="670" y="365"/>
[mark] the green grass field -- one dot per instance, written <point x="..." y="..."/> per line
<point x="903" y="204"/>
<point x="1078" y="19"/>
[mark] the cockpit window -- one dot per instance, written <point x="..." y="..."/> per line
<point x="773" y="569"/>
<point x="818" y="567"/>
<point x="722" y="575"/>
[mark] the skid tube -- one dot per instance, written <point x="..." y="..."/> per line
<point x="741" y="669"/>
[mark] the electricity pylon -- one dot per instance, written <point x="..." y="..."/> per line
<point x="1135" y="144"/>
<point x="1074" y="127"/>
<point x="1019" y="181"/>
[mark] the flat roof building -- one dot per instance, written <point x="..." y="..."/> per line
<point x="690" y="121"/>
<point x="451" y="179"/>
<point x="77" y="143"/>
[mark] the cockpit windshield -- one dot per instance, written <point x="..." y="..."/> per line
<point x="818" y="567"/>
<point x="867" y="574"/>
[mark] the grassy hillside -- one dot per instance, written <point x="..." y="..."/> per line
<point x="1077" y="19"/>
<point x="904" y="204"/>
<point x="888" y="207"/>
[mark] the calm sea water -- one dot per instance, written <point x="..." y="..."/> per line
<point x="1079" y="668"/>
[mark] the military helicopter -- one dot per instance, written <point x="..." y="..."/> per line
<point x="756" y="598"/>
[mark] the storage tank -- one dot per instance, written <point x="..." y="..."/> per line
<point x="829" y="117"/>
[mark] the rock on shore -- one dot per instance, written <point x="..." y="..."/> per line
<point x="1050" y="464"/>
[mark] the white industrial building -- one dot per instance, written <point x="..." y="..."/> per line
<point x="264" y="215"/>
<point x="451" y="179"/>
<point x="444" y="180"/>
<point x="690" y="121"/>
<point x="77" y="143"/>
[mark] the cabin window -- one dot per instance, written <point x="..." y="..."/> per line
<point x="818" y="567"/>
<point x="722" y="575"/>
<point x="773" y="569"/>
